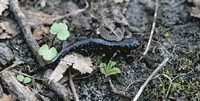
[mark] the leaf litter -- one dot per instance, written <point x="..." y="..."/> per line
<point x="3" y="5"/>
<point x="40" y="31"/>
<point x="8" y="29"/>
<point x="74" y="60"/>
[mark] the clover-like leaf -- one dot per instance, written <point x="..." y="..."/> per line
<point x="43" y="49"/>
<point x="63" y="36"/>
<point x="50" y="54"/>
<point x="55" y="28"/>
<point x="23" y="79"/>
<point x="27" y="80"/>
<point x="47" y="53"/>
<point x="61" y="30"/>
<point x="20" y="78"/>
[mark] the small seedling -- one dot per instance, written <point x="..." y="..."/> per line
<point x="109" y="69"/>
<point x="47" y="53"/>
<point x="166" y="34"/>
<point x="61" y="30"/>
<point x="23" y="79"/>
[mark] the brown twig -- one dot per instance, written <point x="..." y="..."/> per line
<point x="21" y="19"/>
<point x="27" y="75"/>
<point x="72" y="86"/>
<point x="61" y="91"/>
<point x="149" y="78"/>
<point x="21" y="92"/>
<point x="72" y="13"/>
<point x="85" y="77"/>
<point x="114" y="90"/>
<point x="153" y="28"/>
<point x="11" y="66"/>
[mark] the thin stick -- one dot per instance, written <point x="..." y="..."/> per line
<point x="72" y="13"/>
<point x="72" y="86"/>
<point x="149" y="78"/>
<point x="28" y="36"/>
<point x="153" y="28"/>
<point x="11" y="66"/>
<point x="27" y="75"/>
<point x="116" y="91"/>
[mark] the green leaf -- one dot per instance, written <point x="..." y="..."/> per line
<point x="103" y="71"/>
<point x="61" y="30"/>
<point x="110" y="64"/>
<point x="113" y="71"/>
<point x="113" y="63"/>
<point x="54" y="28"/>
<point x="20" y="78"/>
<point x="51" y="53"/>
<point x="43" y="49"/>
<point x="102" y="65"/>
<point x="47" y="57"/>
<point x="27" y="80"/>
<point x="47" y="53"/>
<point x="166" y="34"/>
<point x="109" y="69"/>
<point x="63" y="36"/>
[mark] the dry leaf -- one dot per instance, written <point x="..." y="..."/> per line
<point x="10" y="29"/>
<point x="77" y="61"/>
<point x="57" y="74"/>
<point x="38" y="18"/>
<point x="118" y="1"/>
<point x="3" y="5"/>
<point x="196" y="2"/>
<point x="4" y="2"/>
<point x="4" y="35"/>
<point x="39" y="31"/>
<point x="6" y="97"/>
<point x="83" y="64"/>
<point x="43" y="3"/>
<point x="195" y="12"/>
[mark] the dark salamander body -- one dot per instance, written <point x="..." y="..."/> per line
<point x="97" y="44"/>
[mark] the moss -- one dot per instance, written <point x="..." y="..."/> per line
<point x="184" y="86"/>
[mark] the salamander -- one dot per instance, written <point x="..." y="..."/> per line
<point x="94" y="45"/>
<point x="97" y="44"/>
